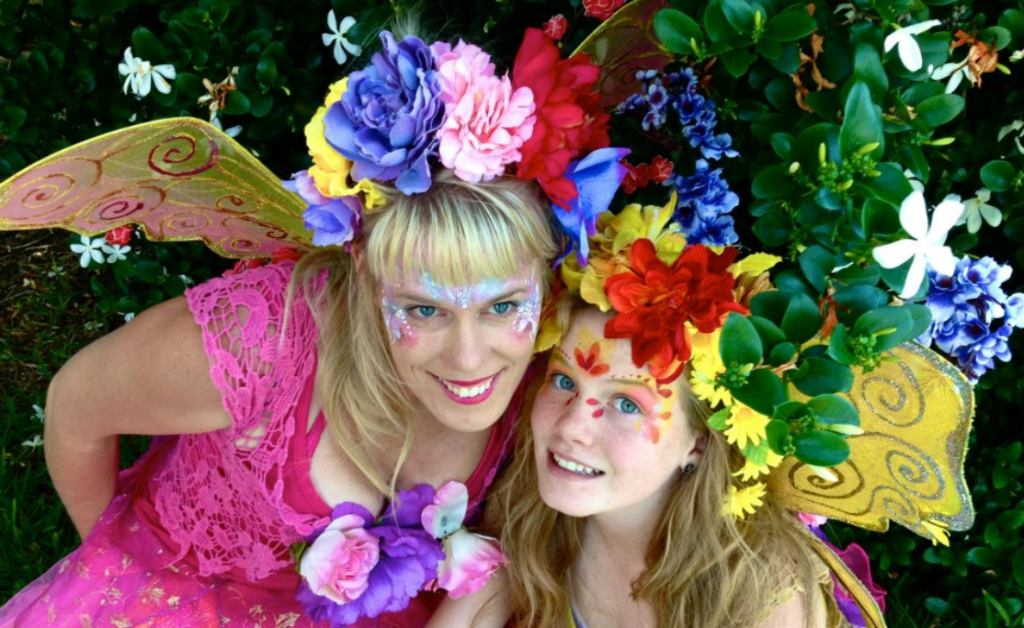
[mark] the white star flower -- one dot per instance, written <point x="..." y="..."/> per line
<point x="91" y="250"/>
<point x="337" y="37"/>
<point x="115" y="252"/>
<point x="36" y="441"/>
<point x="903" y="40"/>
<point x="955" y="72"/>
<point x="142" y="75"/>
<point x="977" y="209"/>
<point x="926" y="244"/>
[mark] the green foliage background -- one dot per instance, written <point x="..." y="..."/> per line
<point x="59" y="85"/>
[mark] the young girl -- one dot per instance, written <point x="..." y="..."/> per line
<point x="288" y="398"/>
<point x="615" y="507"/>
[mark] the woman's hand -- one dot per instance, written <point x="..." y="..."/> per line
<point x="151" y="376"/>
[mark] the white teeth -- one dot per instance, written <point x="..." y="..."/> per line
<point x="574" y="467"/>
<point x="468" y="393"/>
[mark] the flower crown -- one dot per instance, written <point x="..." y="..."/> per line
<point x="417" y="104"/>
<point x="772" y="365"/>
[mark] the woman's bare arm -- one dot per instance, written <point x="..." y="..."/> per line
<point x="487" y="608"/>
<point x="151" y="376"/>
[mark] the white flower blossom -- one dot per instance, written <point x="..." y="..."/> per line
<point x="129" y="317"/>
<point x="903" y="40"/>
<point x="142" y="75"/>
<point x="230" y="132"/>
<point x="91" y="249"/>
<point x="955" y="72"/>
<point x="1013" y="127"/>
<point x="185" y="279"/>
<point x="38" y="413"/>
<point x="977" y="209"/>
<point x="926" y="245"/>
<point x="36" y="441"/>
<point x="115" y="252"/>
<point x="913" y="180"/>
<point x="337" y="38"/>
<point x="1017" y="55"/>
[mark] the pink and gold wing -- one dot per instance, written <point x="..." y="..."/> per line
<point x="907" y="466"/>
<point x="624" y="44"/>
<point x="177" y="179"/>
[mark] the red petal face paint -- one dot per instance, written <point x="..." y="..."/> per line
<point x="598" y="413"/>
<point x="593" y="402"/>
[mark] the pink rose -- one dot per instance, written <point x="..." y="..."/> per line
<point x="601" y="9"/>
<point x="486" y="121"/>
<point x="555" y="27"/>
<point x="337" y="565"/>
<point x="470" y="559"/>
<point x="120" y="235"/>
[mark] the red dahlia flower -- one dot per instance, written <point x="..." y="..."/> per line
<point x="654" y="301"/>
<point x="570" y="120"/>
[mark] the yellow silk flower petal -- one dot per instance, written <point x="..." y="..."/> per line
<point x="745" y="424"/>
<point x="742" y="502"/>
<point x="754" y="264"/>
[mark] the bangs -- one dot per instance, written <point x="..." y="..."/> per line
<point x="461" y="235"/>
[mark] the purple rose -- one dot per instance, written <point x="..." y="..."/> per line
<point x="333" y="221"/>
<point x="597" y="176"/>
<point x="387" y="120"/>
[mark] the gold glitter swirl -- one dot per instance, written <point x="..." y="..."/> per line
<point x="915" y="473"/>
<point x="120" y="206"/>
<point x="850" y="481"/>
<point x="182" y="156"/>
<point x="898" y="402"/>
<point x="184" y="223"/>
<point x="31" y="197"/>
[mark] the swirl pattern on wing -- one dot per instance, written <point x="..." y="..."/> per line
<point x="177" y="179"/>
<point x="907" y="467"/>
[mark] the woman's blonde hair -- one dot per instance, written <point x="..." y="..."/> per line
<point x="461" y="233"/>
<point x="703" y="569"/>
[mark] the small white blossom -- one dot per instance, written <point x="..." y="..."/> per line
<point x="1013" y="127"/>
<point x="129" y="316"/>
<point x="57" y="270"/>
<point x="115" y="252"/>
<point x="956" y="72"/>
<point x="142" y="75"/>
<point x="913" y="180"/>
<point x="1017" y="55"/>
<point x="38" y="413"/>
<point x="36" y="441"/>
<point x="230" y="132"/>
<point x="185" y="279"/>
<point x="977" y="209"/>
<point x="926" y="245"/>
<point x="903" y="40"/>
<point x="91" y="249"/>
<point x="337" y="38"/>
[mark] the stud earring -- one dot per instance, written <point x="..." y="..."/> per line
<point x="688" y="469"/>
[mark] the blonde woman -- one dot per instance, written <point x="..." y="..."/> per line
<point x="614" y="507"/>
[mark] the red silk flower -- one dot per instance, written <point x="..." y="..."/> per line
<point x="569" y="119"/>
<point x="653" y="302"/>
<point x="556" y="27"/>
<point x="120" y="235"/>
<point x="601" y="9"/>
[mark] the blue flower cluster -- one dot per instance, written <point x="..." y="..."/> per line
<point x="704" y="197"/>
<point x="678" y="91"/>
<point x="972" y="317"/>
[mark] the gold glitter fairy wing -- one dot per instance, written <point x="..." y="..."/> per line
<point x="178" y="179"/>
<point x="873" y="617"/>
<point x="907" y="467"/>
<point x="624" y="44"/>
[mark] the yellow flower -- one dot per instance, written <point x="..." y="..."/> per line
<point x="330" y="169"/>
<point x="751" y="470"/>
<point x="938" y="531"/>
<point x="744" y="424"/>
<point x="743" y="502"/>
<point x="609" y="247"/>
<point x="706" y="365"/>
<point x="754" y="264"/>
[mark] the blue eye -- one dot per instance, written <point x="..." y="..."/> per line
<point x="626" y="406"/>
<point x="503" y="307"/>
<point x="423" y="311"/>
<point x="563" y="382"/>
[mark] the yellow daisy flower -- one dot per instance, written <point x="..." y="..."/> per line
<point x="742" y="502"/>
<point x="330" y="170"/>
<point x="706" y="365"/>
<point x="752" y="470"/>
<point x="744" y="424"/>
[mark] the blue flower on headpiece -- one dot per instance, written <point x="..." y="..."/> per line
<point x="597" y="176"/>
<point x="387" y="120"/>
<point x="333" y="221"/>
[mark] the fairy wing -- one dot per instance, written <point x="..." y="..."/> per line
<point x="873" y="617"/>
<point x="622" y="45"/>
<point x="907" y="467"/>
<point x="177" y="179"/>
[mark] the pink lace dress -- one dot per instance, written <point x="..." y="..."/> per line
<point x="199" y="532"/>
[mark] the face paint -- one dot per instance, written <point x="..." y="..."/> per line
<point x="528" y="313"/>
<point x="464" y="297"/>
<point x="396" y="319"/>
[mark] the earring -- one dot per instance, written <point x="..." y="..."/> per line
<point x="688" y="469"/>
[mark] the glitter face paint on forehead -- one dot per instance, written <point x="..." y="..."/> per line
<point x="465" y="297"/>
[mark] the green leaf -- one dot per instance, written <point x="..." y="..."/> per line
<point x="740" y="15"/>
<point x="781" y="353"/>
<point x="997" y="35"/>
<point x="146" y="46"/>
<point x="737" y="61"/>
<point x="149" y="271"/>
<point x="879" y="218"/>
<point x="852" y="302"/>
<point x="1000" y="477"/>
<point x="913" y="156"/>
<point x="862" y="123"/>
<point x="762" y="392"/>
<point x="1010" y="453"/>
<point x="769" y="333"/>
<point x="821" y="448"/>
<point x="191" y="85"/>
<point x="12" y="117"/>
<point x="831" y="409"/>
<point x="266" y="71"/>
<point x="818" y="376"/>
<point x="715" y="22"/>
<point x="998" y="175"/>
<point x="675" y="29"/>
<point x="782" y="143"/>
<point x="790" y="25"/>
<point x="936" y="606"/>
<point x="777" y="433"/>
<point x="772" y="182"/>
<point x="1011" y="519"/>
<point x="867" y="68"/>
<point x="838" y="349"/>
<point x="1018" y="567"/>
<point x="771" y="305"/>
<point x="260" y="102"/>
<point x="921" y="318"/>
<point x="890" y="186"/>
<point x="817" y="263"/>
<point x="802" y="319"/>
<point x="939" y="110"/>
<point x="236" y="103"/>
<point x="856" y="275"/>
<point x="983" y="557"/>
<point x="717" y="420"/>
<point x="740" y="343"/>
<point x="892" y="325"/>
<point x="774" y="228"/>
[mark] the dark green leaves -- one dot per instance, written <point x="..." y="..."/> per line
<point x="862" y="123"/>
<point x="675" y="29"/>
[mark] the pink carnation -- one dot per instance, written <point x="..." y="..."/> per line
<point x="486" y="121"/>
<point x="337" y="565"/>
<point x="470" y="560"/>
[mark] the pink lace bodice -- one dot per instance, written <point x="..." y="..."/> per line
<point x="220" y="495"/>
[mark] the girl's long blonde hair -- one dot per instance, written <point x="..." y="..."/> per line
<point x="703" y="569"/>
<point x="461" y="233"/>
